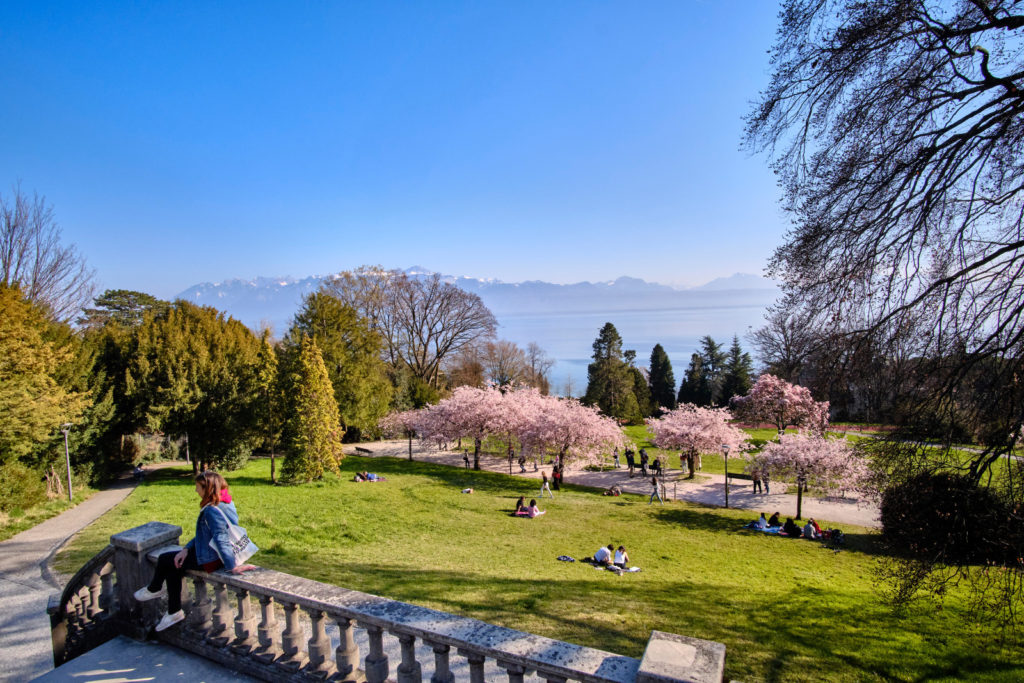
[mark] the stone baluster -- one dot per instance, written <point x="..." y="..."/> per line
<point x="476" y="665"/>
<point x="245" y="623"/>
<point x="222" y="618"/>
<point x="346" y="655"/>
<point x="442" y="672"/>
<point x="269" y="649"/>
<point x="107" y="588"/>
<point x="516" y="672"/>
<point x="409" y="671"/>
<point x="200" y="618"/>
<point x="291" y="639"/>
<point x="376" y="665"/>
<point x="94" y="587"/>
<point x="319" y="644"/>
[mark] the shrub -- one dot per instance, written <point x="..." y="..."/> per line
<point x="20" y="487"/>
<point x="947" y="518"/>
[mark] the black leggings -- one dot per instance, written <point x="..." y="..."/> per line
<point x="167" y="572"/>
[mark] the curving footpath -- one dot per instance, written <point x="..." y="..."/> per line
<point x="26" y="581"/>
<point x="708" y="489"/>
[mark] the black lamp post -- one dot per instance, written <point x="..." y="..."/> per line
<point x="725" y="450"/>
<point x="66" y="427"/>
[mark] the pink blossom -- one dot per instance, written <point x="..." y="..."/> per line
<point x="775" y="400"/>
<point x="697" y="430"/>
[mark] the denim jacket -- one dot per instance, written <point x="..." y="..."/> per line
<point x="211" y="525"/>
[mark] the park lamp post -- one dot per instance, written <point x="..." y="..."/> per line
<point x="725" y="451"/>
<point x="66" y="427"/>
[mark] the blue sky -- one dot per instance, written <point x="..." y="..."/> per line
<point x="562" y="141"/>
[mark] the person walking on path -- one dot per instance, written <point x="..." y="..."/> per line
<point x="655" y="491"/>
<point x="764" y="480"/>
<point x="544" y="484"/>
<point x="643" y="462"/>
<point x="630" y="461"/>
<point x="615" y="457"/>
<point x="756" y="476"/>
<point x="211" y="529"/>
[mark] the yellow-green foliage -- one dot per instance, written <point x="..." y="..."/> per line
<point x="313" y="431"/>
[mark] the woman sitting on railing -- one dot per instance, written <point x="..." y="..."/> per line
<point x="211" y="527"/>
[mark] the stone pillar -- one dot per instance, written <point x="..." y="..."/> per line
<point x="476" y="665"/>
<point x="442" y="672"/>
<point x="376" y="665"/>
<point x="670" y="657"/>
<point x="409" y="671"/>
<point x="346" y="655"/>
<point x="135" y="571"/>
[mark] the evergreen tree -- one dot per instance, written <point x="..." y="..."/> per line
<point x="695" y="388"/>
<point x="713" y="362"/>
<point x="351" y="351"/>
<point x="121" y="306"/>
<point x="34" y="400"/>
<point x="662" y="381"/>
<point x="312" y="432"/>
<point x="609" y="383"/>
<point x="642" y="394"/>
<point x="191" y="371"/>
<point x="737" y="373"/>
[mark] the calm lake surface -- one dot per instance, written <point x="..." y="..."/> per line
<point x="568" y="337"/>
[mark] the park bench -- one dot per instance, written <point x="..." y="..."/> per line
<point x="738" y="475"/>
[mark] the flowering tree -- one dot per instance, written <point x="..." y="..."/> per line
<point x="574" y="431"/>
<point x="775" y="400"/>
<point x="812" y="460"/>
<point x="539" y="423"/>
<point x="696" y="430"/>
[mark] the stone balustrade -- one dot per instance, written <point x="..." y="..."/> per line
<point x="275" y="627"/>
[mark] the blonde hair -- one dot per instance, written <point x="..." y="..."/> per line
<point x="211" y="484"/>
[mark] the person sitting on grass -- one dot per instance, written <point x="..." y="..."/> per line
<point x="774" y="520"/>
<point x="809" y="530"/>
<point x="759" y="524"/>
<point x="368" y="476"/>
<point x="533" y="510"/>
<point x="603" y="556"/>
<point x="520" y="507"/>
<point x="621" y="557"/>
<point x="790" y="528"/>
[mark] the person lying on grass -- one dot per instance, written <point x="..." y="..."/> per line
<point x="368" y="476"/>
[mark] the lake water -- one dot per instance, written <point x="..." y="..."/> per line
<point x="568" y="337"/>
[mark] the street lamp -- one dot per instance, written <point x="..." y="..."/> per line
<point x="725" y="450"/>
<point x="66" y="427"/>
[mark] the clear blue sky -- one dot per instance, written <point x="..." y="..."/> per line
<point x="563" y="141"/>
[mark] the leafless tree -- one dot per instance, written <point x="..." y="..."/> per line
<point x="785" y="343"/>
<point x="540" y="364"/>
<point x="896" y="128"/>
<point x="33" y="258"/>
<point x="423" y="320"/>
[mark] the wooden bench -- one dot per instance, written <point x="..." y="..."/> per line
<point x="745" y="477"/>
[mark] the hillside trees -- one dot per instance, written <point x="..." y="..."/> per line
<point x="662" y="381"/>
<point x="695" y="387"/>
<point x="736" y="373"/>
<point x="422" y="320"/>
<point x="122" y="306"/>
<point x="350" y="349"/>
<point x="694" y="429"/>
<point x="32" y="258"/>
<point x="781" y="404"/>
<point x="312" y="427"/>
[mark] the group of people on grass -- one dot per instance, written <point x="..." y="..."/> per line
<point x="609" y="556"/>
<point x="791" y="529"/>
<point x="657" y="465"/>
<point x="531" y="510"/>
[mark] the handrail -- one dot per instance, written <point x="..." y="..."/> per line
<point x="81" y="615"/>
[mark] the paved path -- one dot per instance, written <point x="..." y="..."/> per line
<point x="708" y="488"/>
<point x="26" y="582"/>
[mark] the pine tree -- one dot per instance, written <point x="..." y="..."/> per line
<point x="737" y="373"/>
<point x="695" y="388"/>
<point x="609" y="382"/>
<point x="662" y="381"/>
<point x="312" y="433"/>
<point x="713" y="362"/>
<point x="642" y="393"/>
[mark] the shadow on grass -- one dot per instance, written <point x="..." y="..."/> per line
<point x="800" y="634"/>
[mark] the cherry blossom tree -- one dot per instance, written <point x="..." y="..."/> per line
<point x="813" y="460"/>
<point x="694" y="430"/>
<point x="775" y="400"/>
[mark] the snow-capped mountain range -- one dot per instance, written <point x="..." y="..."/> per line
<point x="274" y="300"/>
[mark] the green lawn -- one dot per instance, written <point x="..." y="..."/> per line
<point x="20" y="520"/>
<point x="786" y="610"/>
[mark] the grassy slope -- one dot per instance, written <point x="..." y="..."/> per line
<point x="787" y="610"/>
<point x="11" y="525"/>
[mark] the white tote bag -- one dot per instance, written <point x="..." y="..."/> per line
<point x="241" y="547"/>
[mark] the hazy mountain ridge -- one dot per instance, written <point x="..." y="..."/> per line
<point x="275" y="300"/>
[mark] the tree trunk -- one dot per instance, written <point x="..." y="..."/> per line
<point x="273" y="467"/>
<point x="476" y="454"/>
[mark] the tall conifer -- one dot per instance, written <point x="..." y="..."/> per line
<point x="313" y="431"/>
<point x="662" y="381"/>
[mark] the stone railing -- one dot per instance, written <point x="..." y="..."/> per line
<point x="287" y="636"/>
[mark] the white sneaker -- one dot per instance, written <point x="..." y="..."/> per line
<point x="144" y="594"/>
<point x="170" y="620"/>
